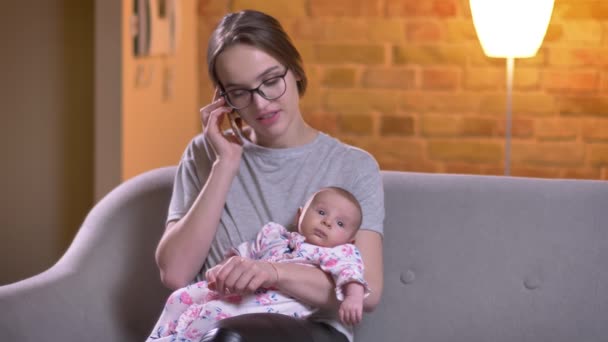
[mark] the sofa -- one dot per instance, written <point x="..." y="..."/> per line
<point x="468" y="258"/>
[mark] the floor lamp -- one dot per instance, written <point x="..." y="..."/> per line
<point x="510" y="29"/>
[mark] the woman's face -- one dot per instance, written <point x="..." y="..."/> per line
<point x="275" y="122"/>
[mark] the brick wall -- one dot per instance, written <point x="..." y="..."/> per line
<point x="407" y="80"/>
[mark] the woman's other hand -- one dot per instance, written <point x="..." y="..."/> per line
<point x="227" y="146"/>
<point x="243" y="276"/>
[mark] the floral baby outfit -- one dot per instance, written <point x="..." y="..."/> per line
<point x="190" y="311"/>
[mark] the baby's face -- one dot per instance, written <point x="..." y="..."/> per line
<point x="329" y="220"/>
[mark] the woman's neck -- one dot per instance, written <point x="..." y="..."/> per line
<point x="300" y="134"/>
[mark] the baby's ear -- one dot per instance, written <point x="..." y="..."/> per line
<point x="297" y="218"/>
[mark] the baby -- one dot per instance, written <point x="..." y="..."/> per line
<point x="326" y="225"/>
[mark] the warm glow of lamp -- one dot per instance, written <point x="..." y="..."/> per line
<point x="511" y="28"/>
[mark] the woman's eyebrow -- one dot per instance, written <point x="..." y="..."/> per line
<point x="259" y="77"/>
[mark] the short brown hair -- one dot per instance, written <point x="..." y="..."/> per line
<point x="259" y="30"/>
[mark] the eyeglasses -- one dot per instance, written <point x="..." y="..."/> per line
<point x="270" y="89"/>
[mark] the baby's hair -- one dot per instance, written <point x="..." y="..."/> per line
<point x="349" y="196"/>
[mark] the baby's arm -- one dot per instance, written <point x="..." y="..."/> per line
<point x="345" y="265"/>
<point x="351" y="309"/>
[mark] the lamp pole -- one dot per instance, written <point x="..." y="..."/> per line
<point x="510" y="66"/>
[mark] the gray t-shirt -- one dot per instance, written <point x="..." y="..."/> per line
<point x="273" y="183"/>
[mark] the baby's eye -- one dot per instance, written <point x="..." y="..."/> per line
<point x="341" y="224"/>
<point x="321" y="212"/>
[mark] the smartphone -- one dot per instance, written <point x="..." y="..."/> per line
<point x="232" y="116"/>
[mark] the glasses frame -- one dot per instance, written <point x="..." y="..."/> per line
<point x="257" y="90"/>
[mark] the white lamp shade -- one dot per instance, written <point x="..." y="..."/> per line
<point x="511" y="28"/>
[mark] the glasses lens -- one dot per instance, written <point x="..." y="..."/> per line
<point x="238" y="99"/>
<point x="273" y="88"/>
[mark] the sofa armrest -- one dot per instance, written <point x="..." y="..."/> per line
<point x="106" y="286"/>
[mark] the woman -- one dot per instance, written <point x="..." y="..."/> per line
<point x="229" y="184"/>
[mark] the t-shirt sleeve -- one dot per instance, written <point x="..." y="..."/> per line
<point x="191" y="174"/>
<point x="367" y="187"/>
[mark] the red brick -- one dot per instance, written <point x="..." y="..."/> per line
<point x="312" y="100"/>
<point x="558" y="129"/>
<point x="462" y="168"/>
<point x="533" y="103"/>
<point x="360" y="101"/>
<point x="276" y="8"/>
<point x="427" y="8"/>
<point x="437" y="125"/>
<point x="359" y="124"/>
<point x="324" y="121"/>
<point x="526" y="79"/>
<point x="520" y="128"/>
<point x="393" y="77"/>
<point x="549" y="153"/>
<point x="440" y="78"/>
<point x="598" y="154"/>
<point x="581" y="9"/>
<point x="480" y="127"/>
<point x="347" y="29"/>
<point x="484" y="78"/>
<point x="339" y="77"/>
<point x="450" y="102"/>
<point x="555" y="33"/>
<point x="213" y="7"/>
<point x="583" y="106"/>
<point x="349" y="53"/>
<point x="538" y="171"/>
<point x="581" y="173"/>
<point x="595" y="130"/>
<point x="582" y="32"/>
<point x="460" y="31"/>
<point x="312" y="29"/>
<point x="423" y="31"/>
<point x="336" y="8"/>
<point x="571" y="81"/>
<point x="469" y="151"/>
<point x="578" y="57"/>
<point x="399" y="148"/>
<point x="391" y="125"/>
<point x="430" y="54"/>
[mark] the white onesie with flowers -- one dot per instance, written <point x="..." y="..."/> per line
<point x="190" y="311"/>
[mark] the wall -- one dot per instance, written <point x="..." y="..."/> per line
<point x="146" y="108"/>
<point x="46" y="131"/>
<point x="408" y="81"/>
<point x="160" y="98"/>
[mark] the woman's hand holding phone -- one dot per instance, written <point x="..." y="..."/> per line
<point x="228" y="147"/>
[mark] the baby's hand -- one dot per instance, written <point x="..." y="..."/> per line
<point x="351" y="310"/>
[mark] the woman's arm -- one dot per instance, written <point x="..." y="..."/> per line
<point x="315" y="287"/>
<point x="185" y="244"/>
<point x="183" y="248"/>
<point x="308" y="284"/>
<point x="369" y="243"/>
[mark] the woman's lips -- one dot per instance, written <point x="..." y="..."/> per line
<point x="268" y="118"/>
